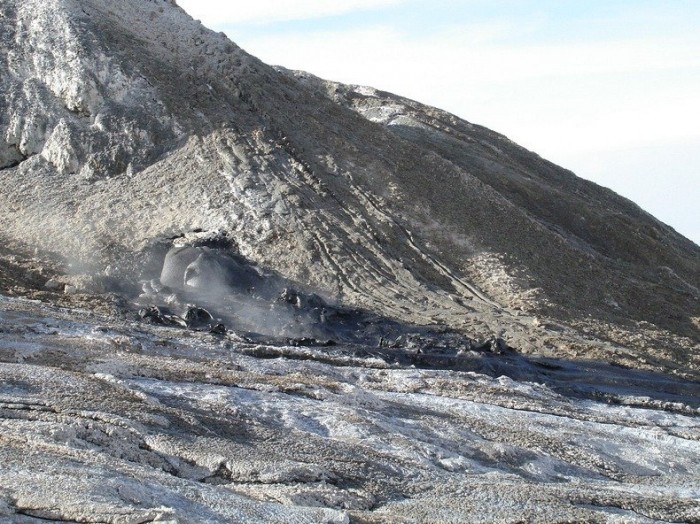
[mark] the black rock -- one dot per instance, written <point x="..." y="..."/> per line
<point x="152" y="314"/>
<point x="308" y="341"/>
<point x="218" y="329"/>
<point x="198" y="318"/>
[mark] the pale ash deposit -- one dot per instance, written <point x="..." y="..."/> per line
<point x="104" y="421"/>
<point x="246" y="294"/>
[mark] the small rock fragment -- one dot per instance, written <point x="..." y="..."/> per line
<point x="53" y="285"/>
<point x="218" y="329"/>
<point x="197" y="317"/>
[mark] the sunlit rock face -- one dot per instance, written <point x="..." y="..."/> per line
<point x="287" y="299"/>
<point x="69" y="101"/>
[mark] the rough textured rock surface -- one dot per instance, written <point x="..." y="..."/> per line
<point x="115" y="421"/>
<point x="127" y="128"/>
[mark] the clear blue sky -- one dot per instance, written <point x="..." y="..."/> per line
<point x="609" y="89"/>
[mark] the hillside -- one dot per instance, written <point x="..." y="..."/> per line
<point x="401" y="265"/>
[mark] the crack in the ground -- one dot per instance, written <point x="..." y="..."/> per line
<point x="48" y="515"/>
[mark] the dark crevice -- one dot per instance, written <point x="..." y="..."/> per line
<point x="38" y="514"/>
<point x="607" y="505"/>
<point x="14" y="163"/>
<point x="222" y="475"/>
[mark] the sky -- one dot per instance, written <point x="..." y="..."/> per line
<point x="608" y="89"/>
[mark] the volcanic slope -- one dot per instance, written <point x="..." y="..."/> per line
<point x="426" y="322"/>
<point x="127" y="123"/>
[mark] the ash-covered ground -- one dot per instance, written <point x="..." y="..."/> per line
<point x="108" y="414"/>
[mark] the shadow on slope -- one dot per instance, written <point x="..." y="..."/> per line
<point x="277" y="314"/>
<point x="579" y="379"/>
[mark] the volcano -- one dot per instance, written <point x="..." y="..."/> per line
<point x="235" y="292"/>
